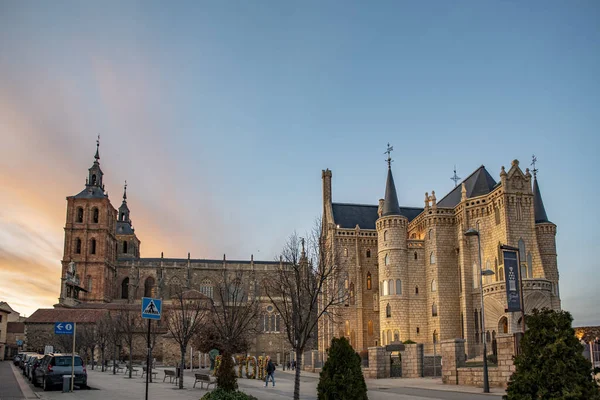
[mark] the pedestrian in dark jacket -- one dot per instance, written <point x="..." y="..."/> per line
<point x="270" y="372"/>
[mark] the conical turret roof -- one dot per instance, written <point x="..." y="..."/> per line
<point x="390" y="205"/>
<point x="538" y="205"/>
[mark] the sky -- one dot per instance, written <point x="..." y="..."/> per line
<point x="221" y="115"/>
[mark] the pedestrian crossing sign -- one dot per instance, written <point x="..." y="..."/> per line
<point x="151" y="308"/>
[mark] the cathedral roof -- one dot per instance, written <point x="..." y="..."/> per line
<point x="538" y="204"/>
<point x="480" y="182"/>
<point x="124" y="228"/>
<point x="349" y="215"/>
<point x="91" y="192"/>
<point x="51" y="315"/>
<point x="390" y="205"/>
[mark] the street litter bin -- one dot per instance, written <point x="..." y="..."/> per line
<point x="66" y="383"/>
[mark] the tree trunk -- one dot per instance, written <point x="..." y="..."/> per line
<point x="297" y="375"/>
<point x="102" y="356"/>
<point x="182" y="367"/>
<point x="115" y="360"/>
<point x="92" y="358"/>
<point x="130" y="358"/>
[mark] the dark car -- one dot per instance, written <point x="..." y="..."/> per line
<point x="17" y="358"/>
<point x="24" y="358"/>
<point x="52" y="368"/>
<point x="34" y="362"/>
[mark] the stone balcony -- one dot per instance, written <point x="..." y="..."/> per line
<point x="528" y="285"/>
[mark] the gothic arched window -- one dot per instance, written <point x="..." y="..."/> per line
<point x="432" y="258"/>
<point x="388" y="311"/>
<point x="352" y="293"/>
<point x="529" y="266"/>
<point x="149" y="289"/>
<point x="370" y="328"/>
<point x="79" y="214"/>
<point x="386" y="288"/>
<point x="93" y="246"/>
<point x="368" y="253"/>
<point x="416" y="290"/>
<point x="93" y="179"/>
<point x="95" y="215"/>
<point x="387" y="259"/>
<point x="345" y="252"/>
<point x="78" y="246"/>
<point x="433" y="286"/>
<point x="391" y="285"/>
<point x="430" y="234"/>
<point x="434" y="310"/>
<point x="125" y="288"/>
<point x="206" y="288"/>
<point x="398" y="286"/>
<point x="368" y="281"/>
<point x="416" y="257"/>
<point x="384" y="235"/>
<point x="124" y="246"/>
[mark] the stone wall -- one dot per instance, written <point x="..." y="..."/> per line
<point x="379" y="363"/>
<point x="412" y="361"/>
<point x="455" y="371"/>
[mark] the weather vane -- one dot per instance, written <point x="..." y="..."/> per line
<point x="389" y="153"/>
<point x="455" y="178"/>
<point x="533" y="161"/>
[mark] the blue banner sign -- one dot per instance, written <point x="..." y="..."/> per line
<point x="511" y="277"/>
<point x="63" y="328"/>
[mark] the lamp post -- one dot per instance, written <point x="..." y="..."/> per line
<point x="486" y="383"/>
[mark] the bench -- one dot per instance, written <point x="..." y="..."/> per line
<point x="171" y="374"/>
<point x="133" y="369"/>
<point x="145" y="369"/>
<point x="203" y="378"/>
<point x="120" y="368"/>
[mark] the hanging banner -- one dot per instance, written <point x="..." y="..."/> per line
<point x="511" y="277"/>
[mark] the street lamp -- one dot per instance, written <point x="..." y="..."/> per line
<point x="486" y="383"/>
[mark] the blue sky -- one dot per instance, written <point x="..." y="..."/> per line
<point x="221" y="116"/>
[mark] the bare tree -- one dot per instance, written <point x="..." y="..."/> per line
<point x="86" y="341"/>
<point x="235" y="312"/>
<point x="129" y="324"/>
<point x="103" y="333"/>
<point x="115" y="336"/>
<point x="308" y="285"/>
<point x="184" y="319"/>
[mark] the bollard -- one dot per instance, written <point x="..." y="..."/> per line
<point x="66" y="383"/>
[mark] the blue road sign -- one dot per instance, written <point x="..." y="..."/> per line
<point x="63" y="328"/>
<point x="19" y="342"/>
<point x="151" y="308"/>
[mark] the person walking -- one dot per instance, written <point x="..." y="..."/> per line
<point x="270" y="372"/>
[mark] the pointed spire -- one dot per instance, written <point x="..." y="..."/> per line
<point x="97" y="156"/>
<point x="390" y="204"/>
<point x="538" y="205"/>
<point x="125" y="193"/>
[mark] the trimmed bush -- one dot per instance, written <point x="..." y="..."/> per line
<point x="409" y="342"/>
<point x="220" y="394"/>
<point x="342" y="377"/>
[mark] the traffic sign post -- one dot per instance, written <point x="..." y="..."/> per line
<point x="151" y="309"/>
<point x="68" y="328"/>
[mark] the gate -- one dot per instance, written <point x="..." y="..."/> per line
<point x="396" y="365"/>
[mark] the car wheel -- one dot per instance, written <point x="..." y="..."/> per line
<point x="46" y="385"/>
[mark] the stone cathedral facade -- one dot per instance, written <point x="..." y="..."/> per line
<point x="102" y="266"/>
<point x="412" y="274"/>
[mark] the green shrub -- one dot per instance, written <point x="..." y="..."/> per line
<point x="409" y="342"/>
<point x="341" y="376"/>
<point x="220" y="394"/>
<point x="551" y="364"/>
<point x="226" y="377"/>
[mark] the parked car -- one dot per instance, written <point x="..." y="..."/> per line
<point x="24" y="359"/>
<point x="32" y="364"/>
<point x="26" y="363"/>
<point x="17" y="358"/>
<point x="54" y="366"/>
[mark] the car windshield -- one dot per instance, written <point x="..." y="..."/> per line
<point x="66" y="361"/>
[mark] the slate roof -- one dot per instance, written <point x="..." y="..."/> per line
<point x="6" y="307"/>
<point x="480" y="182"/>
<point x="124" y="228"/>
<point x="91" y="192"/>
<point x="349" y="215"/>
<point x="206" y="261"/>
<point x="538" y="205"/>
<point x="390" y="205"/>
<point x="52" y="315"/>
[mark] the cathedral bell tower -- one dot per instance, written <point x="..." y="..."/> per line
<point x="128" y="245"/>
<point x="88" y="264"/>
